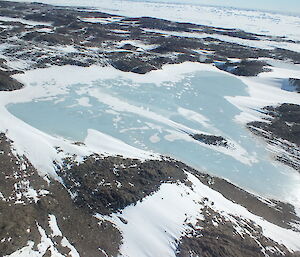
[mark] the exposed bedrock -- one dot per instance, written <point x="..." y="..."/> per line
<point x="40" y="35"/>
<point x="245" y="67"/>
<point x="105" y="185"/>
<point x="110" y="184"/>
<point x="282" y="130"/>
<point x="295" y="84"/>
<point x="211" y="139"/>
<point x="26" y="203"/>
<point x="7" y="83"/>
<point x="215" y="236"/>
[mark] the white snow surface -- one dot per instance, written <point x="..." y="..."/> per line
<point x="101" y="20"/>
<point x="97" y="140"/>
<point x="194" y="116"/>
<point x="263" y="43"/>
<point x="140" y="45"/>
<point x="84" y="101"/>
<point x="265" y="89"/>
<point x="54" y="227"/>
<point x="27" y="22"/>
<point x="165" y="214"/>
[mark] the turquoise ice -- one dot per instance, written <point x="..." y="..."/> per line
<point x="158" y="118"/>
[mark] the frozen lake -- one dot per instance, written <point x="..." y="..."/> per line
<point x="159" y="116"/>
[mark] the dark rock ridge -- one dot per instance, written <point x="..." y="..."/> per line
<point x="295" y="83"/>
<point x="20" y="215"/>
<point x="65" y="35"/>
<point x="106" y="185"/>
<point x="7" y="83"/>
<point x="245" y="67"/>
<point x="110" y="184"/>
<point x="281" y="129"/>
<point x="215" y="236"/>
<point x="274" y="211"/>
<point x="211" y="140"/>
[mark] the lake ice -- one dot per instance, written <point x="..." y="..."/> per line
<point x="158" y="117"/>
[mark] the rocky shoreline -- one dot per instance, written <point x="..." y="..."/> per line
<point x="281" y="128"/>
<point x="113" y="184"/>
<point x="7" y="83"/>
<point x="208" y="239"/>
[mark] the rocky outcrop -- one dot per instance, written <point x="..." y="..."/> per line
<point x="295" y="83"/>
<point x="211" y="139"/>
<point x="27" y="203"/>
<point x="46" y="212"/>
<point x="50" y="35"/>
<point x="216" y="236"/>
<point x="245" y="67"/>
<point x="7" y="83"/>
<point x="282" y="130"/>
<point x="110" y="184"/>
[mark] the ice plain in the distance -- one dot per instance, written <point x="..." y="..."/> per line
<point x="255" y="21"/>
